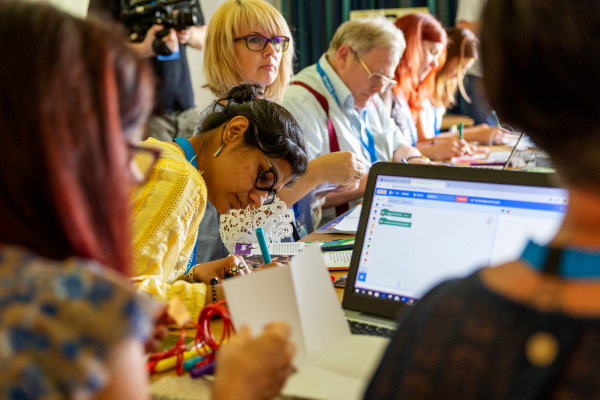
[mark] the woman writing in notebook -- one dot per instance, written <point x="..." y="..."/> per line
<point x="72" y="326"/>
<point x="247" y="151"/>
<point x="529" y="328"/>
<point x="250" y="41"/>
<point x="425" y="54"/>
<point x="461" y="53"/>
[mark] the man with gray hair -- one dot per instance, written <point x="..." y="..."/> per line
<point x="336" y="100"/>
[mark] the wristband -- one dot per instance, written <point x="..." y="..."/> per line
<point x="405" y="160"/>
<point x="214" y="282"/>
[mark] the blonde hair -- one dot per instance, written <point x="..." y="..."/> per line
<point x="462" y="46"/>
<point x="221" y="67"/>
<point x="364" y="34"/>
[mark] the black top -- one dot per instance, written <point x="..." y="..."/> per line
<point x="463" y="341"/>
<point x="174" y="91"/>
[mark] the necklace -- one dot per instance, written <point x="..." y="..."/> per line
<point x="566" y="262"/>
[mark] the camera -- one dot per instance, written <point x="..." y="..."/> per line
<point x="139" y="15"/>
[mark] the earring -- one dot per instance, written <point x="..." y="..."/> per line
<point x="218" y="151"/>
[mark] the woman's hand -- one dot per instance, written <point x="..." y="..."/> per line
<point x="254" y="368"/>
<point x="445" y="148"/>
<point x="486" y="134"/>
<point x="233" y="265"/>
<point x="161" y="329"/>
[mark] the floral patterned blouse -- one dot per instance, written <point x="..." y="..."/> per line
<point x="59" y="321"/>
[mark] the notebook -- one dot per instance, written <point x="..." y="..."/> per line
<point x="423" y="224"/>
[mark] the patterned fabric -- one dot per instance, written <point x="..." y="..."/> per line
<point x="403" y="118"/>
<point x="167" y="213"/>
<point x="463" y="341"/>
<point x="58" y="323"/>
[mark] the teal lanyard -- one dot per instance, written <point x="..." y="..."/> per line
<point x="191" y="157"/>
<point x="369" y="145"/>
<point x="569" y="263"/>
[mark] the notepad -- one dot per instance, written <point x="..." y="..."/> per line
<point x="346" y="223"/>
<point x="331" y="363"/>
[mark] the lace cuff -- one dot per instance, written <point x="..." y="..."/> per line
<point x="238" y="226"/>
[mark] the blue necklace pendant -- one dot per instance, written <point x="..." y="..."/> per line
<point x="570" y="263"/>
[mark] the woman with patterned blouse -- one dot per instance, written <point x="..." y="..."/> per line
<point x="75" y="98"/>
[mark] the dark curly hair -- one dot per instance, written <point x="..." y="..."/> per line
<point x="272" y="129"/>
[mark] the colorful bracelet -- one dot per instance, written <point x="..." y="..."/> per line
<point x="214" y="282"/>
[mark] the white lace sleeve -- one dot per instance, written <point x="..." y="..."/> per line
<point x="238" y="226"/>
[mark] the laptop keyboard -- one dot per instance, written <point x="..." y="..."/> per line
<point x="361" y="328"/>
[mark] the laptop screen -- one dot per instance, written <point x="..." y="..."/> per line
<point x="421" y="225"/>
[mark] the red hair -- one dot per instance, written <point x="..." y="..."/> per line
<point x="417" y="27"/>
<point x="71" y="101"/>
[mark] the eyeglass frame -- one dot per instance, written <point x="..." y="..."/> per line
<point x="266" y="40"/>
<point x="132" y="148"/>
<point x="271" y="191"/>
<point x="384" y="86"/>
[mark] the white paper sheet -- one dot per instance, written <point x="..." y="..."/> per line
<point x="331" y="362"/>
<point x="350" y="222"/>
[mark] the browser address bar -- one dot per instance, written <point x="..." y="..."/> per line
<point x="426" y="183"/>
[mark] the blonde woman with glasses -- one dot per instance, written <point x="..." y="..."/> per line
<point x="250" y="41"/>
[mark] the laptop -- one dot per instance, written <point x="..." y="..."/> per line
<point x="423" y="224"/>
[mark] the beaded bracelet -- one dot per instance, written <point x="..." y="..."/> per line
<point x="214" y="282"/>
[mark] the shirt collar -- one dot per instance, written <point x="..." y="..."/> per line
<point x="341" y="90"/>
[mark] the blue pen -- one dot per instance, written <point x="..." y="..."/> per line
<point x="496" y="117"/>
<point x="260" y="235"/>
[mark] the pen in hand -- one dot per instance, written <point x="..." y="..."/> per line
<point x="461" y="134"/>
<point x="496" y="118"/>
<point x="260" y="235"/>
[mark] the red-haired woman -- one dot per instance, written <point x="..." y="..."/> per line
<point x="425" y="52"/>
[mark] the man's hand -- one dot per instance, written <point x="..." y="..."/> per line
<point x="145" y="48"/>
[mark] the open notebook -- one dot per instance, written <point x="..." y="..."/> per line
<point x="422" y="224"/>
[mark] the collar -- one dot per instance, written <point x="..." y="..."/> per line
<point x="341" y="90"/>
<point x="571" y="262"/>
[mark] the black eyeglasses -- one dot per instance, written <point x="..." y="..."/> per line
<point x="141" y="162"/>
<point x="265" y="181"/>
<point x="259" y="42"/>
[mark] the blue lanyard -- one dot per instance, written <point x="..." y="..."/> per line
<point x="191" y="157"/>
<point x="436" y="128"/>
<point x="369" y="145"/>
<point x="573" y="263"/>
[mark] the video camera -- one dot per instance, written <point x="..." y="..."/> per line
<point x="139" y="15"/>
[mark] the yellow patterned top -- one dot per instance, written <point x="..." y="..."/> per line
<point x="167" y="212"/>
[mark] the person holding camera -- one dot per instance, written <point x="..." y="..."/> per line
<point x="174" y="110"/>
